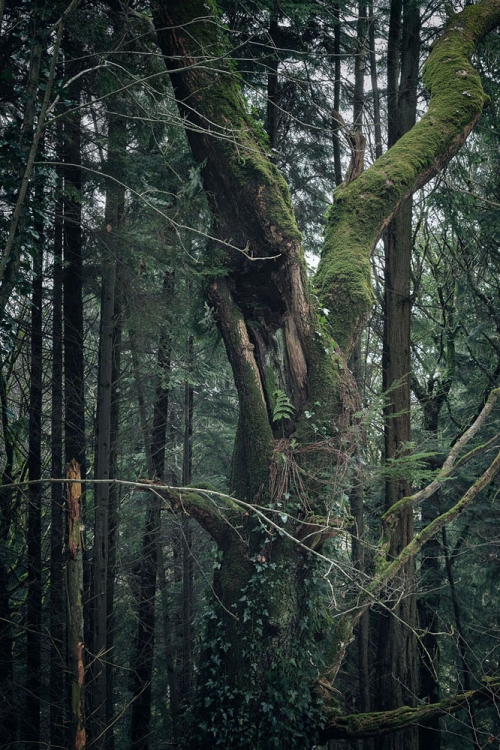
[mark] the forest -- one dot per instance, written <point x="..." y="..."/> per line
<point x="249" y="374"/>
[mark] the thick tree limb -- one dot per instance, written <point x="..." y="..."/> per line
<point x="363" y="726"/>
<point x="256" y="437"/>
<point x="218" y="514"/>
<point x="363" y="208"/>
<point x="248" y="195"/>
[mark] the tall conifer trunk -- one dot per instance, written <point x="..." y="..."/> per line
<point x="102" y="604"/>
<point x="397" y="648"/>
<point x="8" y="704"/>
<point x="186" y="670"/>
<point x="30" y="730"/>
<point x="57" y="589"/>
<point x="74" y="376"/>
<point x="142" y="665"/>
<point x="114" y="499"/>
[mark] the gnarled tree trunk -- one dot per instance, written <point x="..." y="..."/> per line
<point x="272" y="633"/>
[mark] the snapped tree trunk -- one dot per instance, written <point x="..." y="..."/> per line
<point x="74" y="584"/>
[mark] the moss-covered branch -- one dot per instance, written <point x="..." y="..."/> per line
<point x="248" y="193"/>
<point x="218" y="514"/>
<point x="388" y="570"/>
<point x="449" y="466"/>
<point x="255" y="443"/>
<point x="362" y="726"/>
<point x="363" y="208"/>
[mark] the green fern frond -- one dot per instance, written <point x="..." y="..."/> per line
<point x="283" y="407"/>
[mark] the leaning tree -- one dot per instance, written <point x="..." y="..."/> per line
<point x="274" y="642"/>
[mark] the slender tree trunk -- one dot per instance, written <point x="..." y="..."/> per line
<point x="74" y="413"/>
<point x="149" y="443"/>
<point x="336" y="94"/>
<point x="8" y="702"/>
<point x="185" y="676"/>
<point x="169" y="652"/>
<point x="358" y="558"/>
<point x="143" y="660"/>
<point x="142" y="665"/>
<point x="101" y="541"/>
<point x="431" y="401"/>
<point x="273" y="83"/>
<point x="374" y="80"/>
<point x="57" y="591"/>
<point x="29" y="138"/>
<point x="114" y="499"/>
<point x="160" y="407"/>
<point x="102" y="602"/>
<point x="360" y="66"/>
<point x="74" y="584"/>
<point x="462" y="642"/>
<point x="397" y="664"/>
<point x="30" y="730"/>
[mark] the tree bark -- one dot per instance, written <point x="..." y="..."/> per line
<point x="30" y="729"/>
<point x="57" y="590"/>
<point x="74" y="583"/>
<point x="145" y="640"/>
<point x="8" y="705"/>
<point x="102" y="606"/>
<point x="384" y="722"/>
<point x="114" y="501"/>
<point x="397" y="680"/>
<point x="186" y="672"/>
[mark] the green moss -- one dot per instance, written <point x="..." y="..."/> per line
<point x="361" y="209"/>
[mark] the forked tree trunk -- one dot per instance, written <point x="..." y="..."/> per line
<point x="271" y="633"/>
